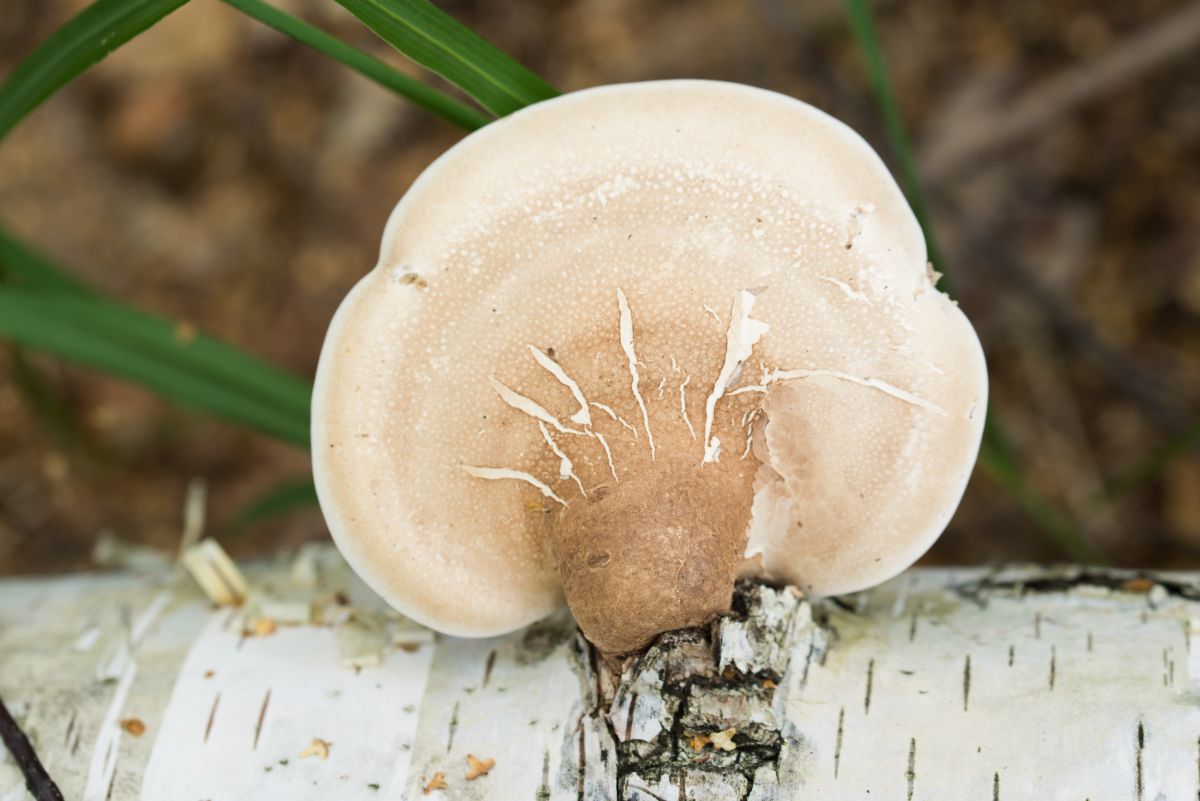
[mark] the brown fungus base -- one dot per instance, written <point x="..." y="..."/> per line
<point x="643" y="557"/>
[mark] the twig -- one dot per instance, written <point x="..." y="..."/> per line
<point x="37" y="781"/>
<point x="964" y="145"/>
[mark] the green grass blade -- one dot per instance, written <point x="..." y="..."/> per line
<point x="85" y="39"/>
<point x="995" y="457"/>
<point x="49" y="407"/>
<point x="423" y="95"/>
<point x="42" y="309"/>
<point x="201" y="371"/>
<point x="999" y="462"/>
<point x="863" y="26"/>
<point x="20" y="266"/>
<point x="284" y="499"/>
<point x="1153" y="465"/>
<point x="437" y="41"/>
<point x="198" y="371"/>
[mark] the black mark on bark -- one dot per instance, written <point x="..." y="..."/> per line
<point x="629" y="719"/>
<point x="911" y="774"/>
<point x="966" y="682"/>
<point x="1139" y="787"/>
<point x="870" y="682"/>
<point x="453" y="727"/>
<point x="543" y="791"/>
<point x="580" y="783"/>
<point x="70" y="729"/>
<point x="262" y="716"/>
<point x="1115" y="580"/>
<point x="837" y="746"/>
<point x="487" y="668"/>
<point x="212" y="716"/>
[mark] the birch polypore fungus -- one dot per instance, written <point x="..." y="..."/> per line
<point x="628" y="344"/>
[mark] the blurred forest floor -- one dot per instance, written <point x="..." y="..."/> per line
<point x="215" y="171"/>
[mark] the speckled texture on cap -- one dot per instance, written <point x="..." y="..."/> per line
<point x="569" y="299"/>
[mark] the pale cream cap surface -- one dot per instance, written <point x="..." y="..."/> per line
<point x="648" y="219"/>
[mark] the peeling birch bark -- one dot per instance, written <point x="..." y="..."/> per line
<point x="942" y="684"/>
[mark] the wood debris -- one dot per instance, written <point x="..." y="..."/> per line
<point x="1138" y="585"/>
<point x="723" y="740"/>
<point x="317" y="748"/>
<point x="133" y="727"/>
<point x="287" y="611"/>
<point x="215" y="572"/>
<point x="194" y="514"/>
<point x="438" y="782"/>
<point x="479" y="767"/>
<point x="113" y="552"/>
<point x="305" y="571"/>
<point x="362" y="638"/>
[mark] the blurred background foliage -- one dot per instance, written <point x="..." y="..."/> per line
<point x="219" y="176"/>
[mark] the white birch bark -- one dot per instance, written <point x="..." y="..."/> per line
<point x="943" y="684"/>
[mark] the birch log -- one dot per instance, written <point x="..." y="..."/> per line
<point x="943" y="684"/>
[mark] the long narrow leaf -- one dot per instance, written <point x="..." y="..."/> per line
<point x="437" y="41"/>
<point x="423" y="95"/>
<point x="21" y="267"/>
<point x="995" y="457"/>
<point x="194" y="369"/>
<point x="1153" y="465"/>
<point x="998" y="461"/>
<point x="43" y="310"/>
<point x="49" y="407"/>
<point x="88" y="37"/>
<point x="863" y="26"/>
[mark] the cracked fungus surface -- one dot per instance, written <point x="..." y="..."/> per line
<point x="678" y="290"/>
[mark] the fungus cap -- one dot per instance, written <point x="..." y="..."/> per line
<point x="633" y="342"/>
